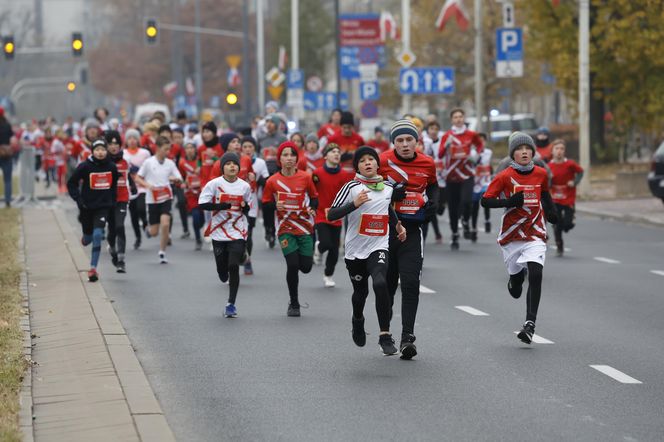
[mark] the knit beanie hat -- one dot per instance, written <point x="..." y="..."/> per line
<point x="329" y="147"/>
<point x="112" y="136"/>
<point x="402" y="127"/>
<point x="91" y="122"/>
<point x="132" y="133"/>
<point x="347" y="118"/>
<point x="225" y="139"/>
<point x="249" y="139"/>
<point x="99" y="142"/>
<point x="365" y="150"/>
<point x="283" y="146"/>
<point x="210" y="126"/>
<point x="229" y="157"/>
<point x="518" y="139"/>
<point x="311" y="138"/>
<point x="276" y="119"/>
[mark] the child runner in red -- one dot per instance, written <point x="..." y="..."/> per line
<point x="523" y="190"/>
<point x="190" y="169"/>
<point x="293" y="194"/>
<point x="312" y="157"/>
<point x="228" y="198"/>
<point x="566" y="176"/>
<point x="116" y="217"/>
<point x="261" y="174"/>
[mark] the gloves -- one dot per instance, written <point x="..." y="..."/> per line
<point x="552" y="217"/>
<point x="516" y="200"/>
<point x="430" y="209"/>
<point x="399" y="192"/>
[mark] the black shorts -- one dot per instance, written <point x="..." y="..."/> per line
<point x="91" y="219"/>
<point x="229" y="253"/>
<point x="156" y="210"/>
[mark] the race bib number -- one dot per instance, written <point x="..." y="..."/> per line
<point x="234" y="200"/>
<point x="161" y="194"/>
<point x="410" y="204"/>
<point x="193" y="182"/>
<point x="531" y="194"/>
<point x="101" y="180"/>
<point x="291" y="201"/>
<point x="374" y="225"/>
<point x="559" y="191"/>
<point x="122" y="178"/>
<point x="269" y="153"/>
<point x="483" y="170"/>
<point x="458" y="152"/>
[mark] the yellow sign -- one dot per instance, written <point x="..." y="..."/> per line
<point x="233" y="61"/>
<point x="275" y="91"/>
<point x="406" y="58"/>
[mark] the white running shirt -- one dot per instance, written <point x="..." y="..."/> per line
<point x="260" y="169"/>
<point x="227" y="225"/>
<point x="369" y="224"/>
<point x="157" y="174"/>
<point x="136" y="159"/>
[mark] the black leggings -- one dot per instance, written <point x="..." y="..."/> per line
<point x="227" y="256"/>
<point x="328" y="241"/>
<point x="405" y="262"/>
<point x="359" y="270"/>
<point x="116" y="229"/>
<point x="182" y="207"/>
<point x="459" y="202"/>
<point x="268" y="220"/>
<point x="138" y="213"/>
<point x="296" y="263"/>
<point x="250" y="231"/>
<point x="476" y="212"/>
<point x="534" y="288"/>
<point x="565" y="222"/>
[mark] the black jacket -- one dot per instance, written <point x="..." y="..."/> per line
<point x="93" y="173"/>
<point x="6" y="132"/>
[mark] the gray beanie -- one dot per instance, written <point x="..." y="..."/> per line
<point x="312" y="137"/>
<point x="132" y="133"/>
<point x="229" y="157"/>
<point x="519" y="139"/>
<point x="91" y="122"/>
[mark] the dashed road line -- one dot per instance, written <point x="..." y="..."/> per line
<point x="537" y="339"/>
<point x="616" y="374"/>
<point x="424" y="289"/>
<point x="606" y="260"/>
<point x="471" y="310"/>
<point x="658" y="272"/>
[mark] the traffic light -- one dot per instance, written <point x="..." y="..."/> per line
<point x="77" y="44"/>
<point x="8" y="46"/>
<point x="231" y="98"/>
<point x="151" y="31"/>
<point x="71" y="86"/>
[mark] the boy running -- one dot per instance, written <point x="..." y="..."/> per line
<point x="116" y="217"/>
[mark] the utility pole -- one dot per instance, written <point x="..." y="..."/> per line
<point x="176" y="52"/>
<point x="246" y="103"/>
<point x="197" y="57"/>
<point x="260" y="56"/>
<point x="295" y="52"/>
<point x="405" y="38"/>
<point x="584" y="95"/>
<point x="337" y="46"/>
<point x="479" y="67"/>
<point x="39" y="23"/>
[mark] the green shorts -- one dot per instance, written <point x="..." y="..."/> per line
<point x="302" y="244"/>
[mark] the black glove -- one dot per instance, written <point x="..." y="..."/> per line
<point x="399" y="192"/>
<point x="552" y="217"/>
<point x="225" y="206"/>
<point x="430" y="209"/>
<point x="516" y="200"/>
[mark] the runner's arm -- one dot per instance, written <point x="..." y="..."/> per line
<point x="550" y="210"/>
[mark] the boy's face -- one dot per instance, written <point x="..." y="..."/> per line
<point x="234" y="146"/>
<point x="164" y="149"/>
<point x="367" y="166"/>
<point x="100" y="152"/>
<point x="248" y="149"/>
<point x="166" y="134"/>
<point x="559" y="151"/>
<point x="132" y="143"/>
<point x="405" y="145"/>
<point x="178" y="138"/>
<point x="523" y="155"/>
<point x="231" y="169"/>
<point x="333" y="157"/>
<point x="433" y="130"/>
<point x="457" y="119"/>
<point x="190" y="151"/>
<point x="346" y="129"/>
<point x="312" y="147"/>
<point x="207" y="135"/>
<point x="113" y="148"/>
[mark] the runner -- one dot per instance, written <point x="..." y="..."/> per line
<point x="294" y="196"/>
<point x="268" y="149"/>
<point x="312" y="157"/>
<point x="459" y="148"/>
<point x="348" y="140"/>
<point x="93" y="186"/>
<point x="366" y="202"/>
<point x="332" y="126"/>
<point x="483" y="172"/>
<point x="209" y="152"/>
<point x="228" y="198"/>
<point x="526" y="199"/>
<point x="116" y="216"/>
<point x="415" y="204"/>
<point x="176" y="154"/>
<point x="157" y="174"/>
<point x="135" y="156"/>
<point x="379" y="142"/>
<point x="190" y="170"/>
<point x="298" y="139"/>
<point x="249" y="148"/>
<point x="567" y="174"/>
<point x="544" y="146"/>
<point x="328" y="179"/>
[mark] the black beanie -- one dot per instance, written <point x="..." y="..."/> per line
<point x="229" y="157"/>
<point x="211" y="127"/>
<point x="347" y="118"/>
<point x="225" y="139"/>
<point x="249" y="139"/>
<point x="112" y="136"/>
<point x="365" y="150"/>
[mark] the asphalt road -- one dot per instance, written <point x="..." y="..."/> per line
<point x="264" y="376"/>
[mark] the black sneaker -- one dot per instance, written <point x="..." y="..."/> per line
<point x="114" y="256"/>
<point x="560" y="250"/>
<point x="473" y="235"/>
<point x="514" y="286"/>
<point x="199" y="245"/>
<point x="455" y="241"/>
<point x="487" y="227"/>
<point x="527" y="332"/>
<point x="359" y="335"/>
<point x="120" y="268"/>
<point x="271" y="240"/>
<point x="185" y="235"/>
<point x="387" y="345"/>
<point x="293" y="311"/>
<point x="407" y="346"/>
<point x="137" y="244"/>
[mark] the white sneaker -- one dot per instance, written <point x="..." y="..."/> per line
<point x="317" y="255"/>
<point x="329" y="283"/>
<point x="162" y="258"/>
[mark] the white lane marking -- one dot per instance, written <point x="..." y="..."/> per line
<point x="537" y="339"/>
<point x="606" y="260"/>
<point x="616" y="374"/>
<point x="658" y="272"/>
<point x="471" y="310"/>
<point x="424" y="289"/>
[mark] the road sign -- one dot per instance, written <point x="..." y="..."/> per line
<point x="295" y="79"/>
<point x="275" y="91"/>
<point x="427" y="80"/>
<point x="294" y="97"/>
<point x="369" y="90"/>
<point x="508" y="15"/>
<point x="233" y="61"/>
<point x="324" y="100"/>
<point x="314" y="83"/>
<point x="368" y="72"/>
<point x="350" y="59"/>
<point x="359" y="30"/>
<point x="369" y="109"/>
<point x="275" y="77"/>
<point x="509" y="52"/>
<point x="406" y="58"/>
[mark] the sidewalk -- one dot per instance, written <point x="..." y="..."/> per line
<point x="640" y="210"/>
<point x="86" y="382"/>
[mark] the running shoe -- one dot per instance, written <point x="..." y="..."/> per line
<point x="137" y="244"/>
<point x="185" y="235"/>
<point x="317" y="255"/>
<point x="271" y="241"/>
<point x="248" y="269"/>
<point x="328" y="282"/>
<point x="162" y="258"/>
<point x="387" y="345"/>
<point x="527" y="332"/>
<point x="439" y="239"/>
<point x="230" y="311"/>
<point x="560" y="250"/>
<point x="466" y="230"/>
<point x="473" y="235"/>
<point x="114" y="256"/>
<point x="293" y="311"/>
<point x="93" y="276"/>
<point x="84" y="243"/>
<point x="455" y="241"/>
<point x="407" y="346"/>
<point x="359" y="335"/>
<point x="487" y="227"/>
<point x="120" y="268"/>
<point x="199" y="245"/>
<point x="512" y="286"/>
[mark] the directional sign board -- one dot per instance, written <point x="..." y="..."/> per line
<point x="509" y="52"/>
<point x="295" y="79"/>
<point x="324" y="100"/>
<point x="352" y="56"/>
<point x="427" y="80"/>
<point x="369" y="90"/>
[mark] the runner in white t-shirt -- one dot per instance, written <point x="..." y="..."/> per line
<point x="366" y="203"/>
<point x="262" y="174"/>
<point x="157" y="174"/>
<point x="229" y="199"/>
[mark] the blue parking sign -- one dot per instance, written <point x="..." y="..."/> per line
<point x="295" y="79"/>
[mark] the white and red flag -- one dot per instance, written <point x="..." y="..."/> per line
<point x="283" y="58"/>
<point x="170" y="89"/>
<point x="453" y="9"/>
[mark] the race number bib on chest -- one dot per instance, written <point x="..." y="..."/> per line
<point x="161" y="194"/>
<point x="234" y="200"/>
<point x="374" y="225"/>
<point x="193" y="181"/>
<point x="483" y="170"/>
<point x="458" y="152"/>
<point x="101" y="180"/>
<point x="291" y="201"/>
<point x="410" y="204"/>
<point x="559" y="191"/>
<point x="532" y="194"/>
<point x="122" y="178"/>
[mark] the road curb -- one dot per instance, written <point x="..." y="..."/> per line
<point x="619" y="217"/>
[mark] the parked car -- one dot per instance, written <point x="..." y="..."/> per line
<point x="502" y="125"/>
<point x="656" y="175"/>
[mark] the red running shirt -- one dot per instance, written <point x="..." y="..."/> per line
<point x="563" y="173"/>
<point x="455" y="150"/>
<point x="521" y="223"/>
<point x="123" y="181"/>
<point x="295" y="192"/>
<point x="328" y="185"/>
<point x="307" y="165"/>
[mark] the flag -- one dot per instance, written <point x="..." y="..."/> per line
<point x="388" y="27"/>
<point x="456" y="9"/>
<point x="555" y="3"/>
<point x="233" y="77"/>
<point x="283" y="58"/>
<point x="189" y="86"/>
<point x="170" y="88"/>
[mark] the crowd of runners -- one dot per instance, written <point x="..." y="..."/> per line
<point x="309" y="191"/>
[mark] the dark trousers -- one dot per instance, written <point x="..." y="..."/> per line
<point x="359" y="270"/>
<point x="405" y="263"/>
<point x="460" y="196"/>
<point x="328" y="241"/>
<point x="137" y="212"/>
<point x="6" y="164"/>
<point x="565" y="222"/>
<point x="116" y="229"/>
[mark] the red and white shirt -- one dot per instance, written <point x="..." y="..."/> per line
<point x="306" y="164"/>
<point x="456" y="148"/>
<point x="563" y="173"/>
<point x="521" y="223"/>
<point x="192" y="181"/>
<point x="123" y="181"/>
<point x="295" y="192"/>
<point x="230" y="224"/>
<point x="328" y="185"/>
